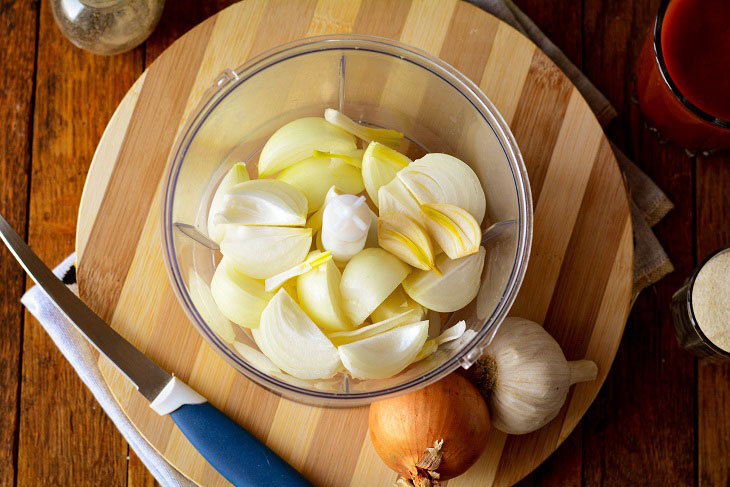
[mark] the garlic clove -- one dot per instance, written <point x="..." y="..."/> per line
<point x="296" y="141"/>
<point x="237" y="174"/>
<point x="264" y="202"/>
<point x="397" y="303"/>
<point x="388" y="137"/>
<point x="262" y="252"/>
<point x="394" y="197"/>
<point x="454" y="289"/>
<point x="441" y="178"/>
<point x="345" y="337"/>
<point x="239" y="298"/>
<point x="319" y="296"/>
<point x="314" y="177"/>
<point x="369" y="278"/>
<point x="454" y="229"/>
<point x="314" y="260"/>
<point x="406" y="239"/>
<point x="380" y="164"/>
<point x="203" y="301"/>
<point x="386" y="354"/>
<point x="293" y="342"/>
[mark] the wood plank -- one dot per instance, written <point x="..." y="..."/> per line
<point x="80" y="444"/>
<point x="713" y="380"/>
<point x="17" y="56"/>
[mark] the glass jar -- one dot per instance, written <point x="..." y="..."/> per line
<point x="382" y="83"/>
<point x="689" y="333"/>
<point x="107" y="26"/>
<point x="683" y="74"/>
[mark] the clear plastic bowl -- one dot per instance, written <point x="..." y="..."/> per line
<point x="379" y="82"/>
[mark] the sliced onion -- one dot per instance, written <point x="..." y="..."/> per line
<point x="452" y="291"/>
<point x="441" y="178"/>
<point x="394" y="197"/>
<point x="386" y="354"/>
<point x="453" y="333"/>
<point x="319" y="296"/>
<point x="293" y="342"/>
<point x="237" y="174"/>
<point x="296" y="141"/>
<point x="240" y="298"/>
<point x="261" y="252"/>
<point x="453" y="228"/>
<point x="397" y="303"/>
<point x="205" y="304"/>
<point x="406" y="239"/>
<point x="385" y="136"/>
<point x="314" y="177"/>
<point x="315" y="259"/>
<point x="264" y="202"/>
<point x="369" y="278"/>
<point x="380" y="164"/>
<point x="256" y="358"/>
<point x="345" y="337"/>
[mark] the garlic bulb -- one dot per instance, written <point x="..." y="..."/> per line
<point x="525" y="376"/>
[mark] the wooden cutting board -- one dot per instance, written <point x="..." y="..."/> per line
<point x="578" y="282"/>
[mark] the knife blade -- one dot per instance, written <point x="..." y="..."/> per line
<point x="230" y="449"/>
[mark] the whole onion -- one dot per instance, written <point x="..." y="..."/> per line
<point x="435" y="433"/>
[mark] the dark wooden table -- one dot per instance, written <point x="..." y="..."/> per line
<point x="662" y="417"/>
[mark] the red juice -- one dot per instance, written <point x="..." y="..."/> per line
<point x="684" y="90"/>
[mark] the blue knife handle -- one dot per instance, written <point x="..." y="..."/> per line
<point x="237" y="455"/>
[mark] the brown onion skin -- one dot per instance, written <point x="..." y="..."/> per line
<point x="451" y="409"/>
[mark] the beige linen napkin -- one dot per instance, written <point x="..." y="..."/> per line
<point x="649" y="204"/>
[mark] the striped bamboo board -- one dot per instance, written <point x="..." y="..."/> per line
<point x="578" y="282"/>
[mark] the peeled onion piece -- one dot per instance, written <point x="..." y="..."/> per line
<point x="453" y="333"/>
<point x="261" y="252"/>
<point x="388" y="137"/>
<point x="385" y="354"/>
<point x="397" y="303"/>
<point x="458" y="285"/>
<point x="380" y="164"/>
<point x="264" y="202"/>
<point x="453" y="228"/>
<point x="394" y="197"/>
<point x="314" y="177"/>
<point x="441" y="178"/>
<point x="256" y="358"/>
<point x="237" y="174"/>
<point x="291" y="340"/>
<point x="296" y="141"/>
<point x="369" y="278"/>
<point x="205" y="304"/>
<point x="315" y="259"/>
<point x="345" y="337"/>
<point x="240" y="298"/>
<point x="319" y="296"/>
<point x="406" y="239"/>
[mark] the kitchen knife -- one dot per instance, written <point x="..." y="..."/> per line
<point x="230" y="449"/>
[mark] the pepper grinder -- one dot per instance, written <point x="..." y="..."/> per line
<point x="107" y="26"/>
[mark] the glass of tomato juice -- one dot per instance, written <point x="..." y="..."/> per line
<point x="683" y="75"/>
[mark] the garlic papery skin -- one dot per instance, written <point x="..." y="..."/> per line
<point x="237" y="174"/>
<point x="346" y="222"/>
<point x="262" y="252"/>
<point x="406" y="239"/>
<point x="385" y="354"/>
<point x="453" y="228"/>
<point x="367" y="280"/>
<point x="388" y="137"/>
<point x="525" y="376"/>
<point x="454" y="289"/>
<point x="380" y="164"/>
<point x="297" y="140"/>
<point x="264" y="202"/>
<point x="394" y="197"/>
<point x="441" y="178"/>
<point x="240" y="298"/>
<point x="291" y="340"/>
<point x="314" y="177"/>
